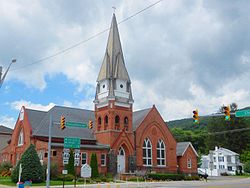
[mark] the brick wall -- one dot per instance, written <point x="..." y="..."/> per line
<point x="154" y="128"/>
<point x="183" y="162"/>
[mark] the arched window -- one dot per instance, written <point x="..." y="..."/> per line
<point x="117" y="120"/>
<point x="20" y="138"/>
<point x="126" y="121"/>
<point x="121" y="151"/>
<point x="106" y="119"/>
<point x="99" y="121"/>
<point x="161" y="156"/>
<point x="147" y="152"/>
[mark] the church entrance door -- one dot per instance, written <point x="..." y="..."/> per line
<point x="121" y="161"/>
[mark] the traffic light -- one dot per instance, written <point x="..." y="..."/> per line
<point x="62" y="122"/>
<point x="90" y="124"/>
<point x="227" y="113"/>
<point x="196" y="116"/>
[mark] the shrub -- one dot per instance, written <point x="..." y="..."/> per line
<point x="224" y="174"/>
<point x="165" y="177"/>
<point x="68" y="177"/>
<point x="5" y="169"/>
<point x="70" y="166"/>
<point x="247" y="167"/>
<point x="193" y="177"/>
<point x="94" y="166"/>
<point x="31" y="167"/>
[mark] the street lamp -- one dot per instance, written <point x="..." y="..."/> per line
<point x="2" y="79"/>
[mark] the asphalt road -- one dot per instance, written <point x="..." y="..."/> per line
<point x="219" y="182"/>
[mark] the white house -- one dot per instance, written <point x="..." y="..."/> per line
<point x="220" y="161"/>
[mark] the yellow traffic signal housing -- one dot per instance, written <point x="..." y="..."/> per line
<point x="227" y="112"/>
<point x="90" y="124"/>
<point x="62" y="122"/>
<point x="196" y="116"/>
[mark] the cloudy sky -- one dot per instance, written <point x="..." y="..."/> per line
<point x="180" y="55"/>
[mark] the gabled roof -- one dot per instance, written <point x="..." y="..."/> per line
<point x="5" y="130"/>
<point x="139" y="116"/>
<point x="113" y="65"/>
<point x="39" y="121"/>
<point x="40" y="125"/>
<point x="182" y="147"/>
<point x="226" y="151"/>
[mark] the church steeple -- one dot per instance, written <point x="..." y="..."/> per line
<point x="113" y="82"/>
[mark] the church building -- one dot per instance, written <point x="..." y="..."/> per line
<point x="124" y="140"/>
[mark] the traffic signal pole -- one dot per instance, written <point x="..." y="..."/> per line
<point x="49" y="153"/>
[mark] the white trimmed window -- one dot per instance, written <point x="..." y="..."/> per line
<point x="161" y="157"/>
<point x="84" y="158"/>
<point x="189" y="163"/>
<point x="103" y="159"/>
<point x="147" y="152"/>
<point x="20" y="138"/>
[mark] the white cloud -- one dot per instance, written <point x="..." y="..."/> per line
<point x="180" y="55"/>
<point x="28" y="104"/>
<point x="7" y="121"/>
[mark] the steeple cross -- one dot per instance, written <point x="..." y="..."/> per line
<point x="114" y="9"/>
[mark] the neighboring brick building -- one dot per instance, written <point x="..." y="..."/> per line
<point x="5" y="136"/>
<point x="124" y="140"/>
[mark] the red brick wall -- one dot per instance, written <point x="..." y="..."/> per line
<point x="154" y="128"/>
<point x="182" y="162"/>
<point x="13" y="150"/>
<point x="113" y="134"/>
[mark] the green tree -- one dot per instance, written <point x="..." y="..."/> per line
<point x="245" y="155"/>
<point x="31" y="167"/>
<point x="70" y="166"/>
<point x="228" y="134"/>
<point x="94" y="166"/>
<point x="247" y="167"/>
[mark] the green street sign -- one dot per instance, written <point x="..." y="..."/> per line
<point x="76" y="124"/>
<point x="72" y="142"/>
<point x="242" y="113"/>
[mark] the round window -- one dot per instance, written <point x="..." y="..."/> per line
<point x="103" y="86"/>
<point x="121" y="86"/>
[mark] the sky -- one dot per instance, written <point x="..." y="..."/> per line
<point x="180" y="55"/>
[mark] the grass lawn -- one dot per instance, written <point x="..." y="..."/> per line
<point x="7" y="181"/>
<point x="244" y="176"/>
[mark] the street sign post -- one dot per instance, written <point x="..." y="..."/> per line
<point x="76" y="124"/>
<point x="72" y="142"/>
<point x="242" y="113"/>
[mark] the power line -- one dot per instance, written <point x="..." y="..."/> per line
<point x="217" y="133"/>
<point x="229" y="131"/>
<point x="86" y="40"/>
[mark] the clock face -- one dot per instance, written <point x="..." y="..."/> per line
<point x="21" y="114"/>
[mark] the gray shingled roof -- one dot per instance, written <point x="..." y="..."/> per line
<point x="40" y="122"/>
<point x="4" y="140"/>
<point x="5" y="130"/>
<point x="139" y="116"/>
<point x="182" y="146"/>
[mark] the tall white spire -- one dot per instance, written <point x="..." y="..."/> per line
<point x="113" y="70"/>
<point x="113" y="63"/>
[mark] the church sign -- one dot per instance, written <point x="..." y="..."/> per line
<point x="86" y="171"/>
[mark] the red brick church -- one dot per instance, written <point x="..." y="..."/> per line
<point x="124" y="140"/>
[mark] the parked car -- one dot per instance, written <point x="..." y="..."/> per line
<point x="202" y="174"/>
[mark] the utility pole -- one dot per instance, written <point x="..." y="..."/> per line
<point x="1" y="68"/>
